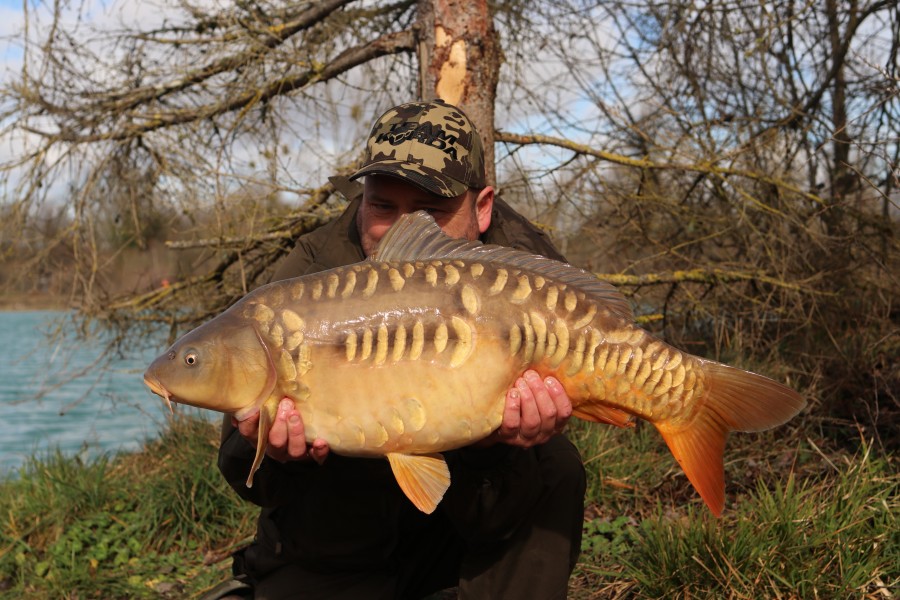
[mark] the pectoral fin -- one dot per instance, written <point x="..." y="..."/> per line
<point x="267" y="414"/>
<point x="424" y="478"/>
<point x="268" y="408"/>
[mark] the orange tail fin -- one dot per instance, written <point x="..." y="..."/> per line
<point x="736" y="400"/>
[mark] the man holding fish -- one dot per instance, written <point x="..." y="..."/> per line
<point x="336" y="527"/>
<point x="398" y="341"/>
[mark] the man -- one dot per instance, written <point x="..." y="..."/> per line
<point x="334" y="527"/>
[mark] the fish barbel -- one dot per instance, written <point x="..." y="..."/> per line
<point x="411" y="353"/>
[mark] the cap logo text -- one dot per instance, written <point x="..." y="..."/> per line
<point x="424" y="133"/>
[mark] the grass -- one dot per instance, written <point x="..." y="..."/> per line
<point x="800" y="522"/>
<point x="144" y="525"/>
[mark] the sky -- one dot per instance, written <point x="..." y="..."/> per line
<point x="10" y="25"/>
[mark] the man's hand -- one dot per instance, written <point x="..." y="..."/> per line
<point x="536" y="409"/>
<point x="287" y="438"/>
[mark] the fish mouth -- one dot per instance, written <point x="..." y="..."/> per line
<point x="159" y="389"/>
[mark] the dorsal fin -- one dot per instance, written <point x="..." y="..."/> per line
<point x="416" y="236"/>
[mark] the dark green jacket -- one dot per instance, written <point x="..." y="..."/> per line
<point x="349" y="513"/>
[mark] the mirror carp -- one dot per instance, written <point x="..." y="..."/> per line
<point x="410" y="353"/>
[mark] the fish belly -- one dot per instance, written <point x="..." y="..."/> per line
<point x="411" y="406"/>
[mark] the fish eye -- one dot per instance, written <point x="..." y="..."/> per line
<point x="191" y="358"/>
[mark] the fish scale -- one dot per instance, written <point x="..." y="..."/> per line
<point x="411" y="353"/>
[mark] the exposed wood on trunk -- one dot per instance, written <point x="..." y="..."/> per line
<point x="459" y="57"/>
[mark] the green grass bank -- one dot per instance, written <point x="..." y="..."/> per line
<point x="802" y="521"/>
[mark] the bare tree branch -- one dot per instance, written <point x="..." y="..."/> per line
<point x="142" y="123"/>
<point x="708" y="168"/>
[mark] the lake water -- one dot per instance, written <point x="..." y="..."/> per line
<point x="45" y="406"/>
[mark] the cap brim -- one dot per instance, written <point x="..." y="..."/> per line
<point x="430" y="180"/>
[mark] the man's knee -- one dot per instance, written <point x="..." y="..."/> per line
<point x="561" y="466"/>
<point x="563" y="472"/>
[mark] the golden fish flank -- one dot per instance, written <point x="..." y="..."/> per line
<point x="411" y="353"/>
<point x="386" y="345"/>
<point x="431" y="275"/>
<point x="381" y="349"/>
<point x="351" y="343"/>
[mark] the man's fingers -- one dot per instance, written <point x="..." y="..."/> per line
<point x="287" y="436"/>
<point x="278" y="434"/>
<point x="544" y="409"/>
<point x="531" y="409"/>
<point x="296" y="446"/>
<point x="319" y="450"/>
<point x="512" y="413"/>
<point x="545" y="405"/>
<point x="560" y="400"/>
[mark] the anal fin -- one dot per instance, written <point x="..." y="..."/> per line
<point x="424" y="478"/>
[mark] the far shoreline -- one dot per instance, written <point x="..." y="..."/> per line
<point x="27" y="302"/>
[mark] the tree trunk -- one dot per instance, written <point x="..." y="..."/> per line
<point x="843" y="178"/>
<point x="459" y="62"/>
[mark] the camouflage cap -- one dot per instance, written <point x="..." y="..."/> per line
<point x="432" y="144"/>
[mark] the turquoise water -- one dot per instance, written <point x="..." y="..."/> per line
<point x="67" y="393"/>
